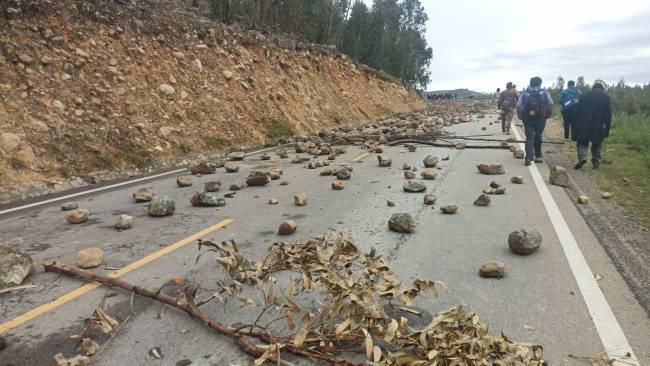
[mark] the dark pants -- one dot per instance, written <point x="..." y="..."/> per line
<point x="596" y="151"/>
<point x="534" y="130"/>
<point x="569" y="123"/>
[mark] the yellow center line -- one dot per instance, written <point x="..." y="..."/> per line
<point x="360" y="157"/>
<point x="4" y="327"/>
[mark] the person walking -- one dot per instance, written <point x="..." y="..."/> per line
<point x="495" y="96"/>
<point x="506" y="104"/>
<point x="569" y="99"/>
<point x="593" y="121"/>
<point x="533" y="108"/>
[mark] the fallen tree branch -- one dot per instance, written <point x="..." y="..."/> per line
<point x="439" y="144"/>
<point x="455" y="137"/>
<point x="193" y="311"/>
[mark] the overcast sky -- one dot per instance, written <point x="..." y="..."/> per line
<point x="483" y="44"/>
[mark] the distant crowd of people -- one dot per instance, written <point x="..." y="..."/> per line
<point x="587" y="118"/>
<point x="442" y="96"/>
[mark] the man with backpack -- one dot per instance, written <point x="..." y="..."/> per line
<point x="569" y="99"/>
<point x="495" y="96"/>
<point x="533" y="108"/>
<point x="593" y="121"/>
<point x="507" y="102"/>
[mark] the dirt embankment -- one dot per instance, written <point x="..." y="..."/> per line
<point x="137" y="86"/>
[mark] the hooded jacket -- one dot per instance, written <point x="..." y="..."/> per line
<point x="569" y="97"/>
<point x="524" y="98"/>
<point x="593" y="116"/>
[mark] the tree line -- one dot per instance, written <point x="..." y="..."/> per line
<point x="387" y="36"/>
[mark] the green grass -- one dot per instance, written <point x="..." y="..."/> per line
<point x="625" y="171"/>
<point x="277" y="128"/>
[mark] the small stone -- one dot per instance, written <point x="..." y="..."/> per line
<point x="460" y="145"/>
<point x="482" y="200"/>
<point x="325" y="172"/>
<point x="275" y="174"/>
<point x="411" y="147"/>
<point x="161" y="206"/>
<point x="282" y="153"/>
<point x="494" y="184"/>
<point x="390" y="203"/>
<point x="284" y="183"/>
<point x="231" y="167"/>
<point x="517" y="179"/>
<point x="492" y="269"/>
<point x="406" y="166"/>
<point x="25" y="58"/>
<point x="331" y="157"/>
<point x="445" y="158"/>
<point x="430" y="161"/>
<point x="77" y="216"/>
<point x="409" y="174"/>
<point x="207" y="199"/>
<point x="402" y="223"/>
<point x="344" y="174"/>
<point x="90" y="257"/>
<point x="258" y="178"/>
<point x="273" y="201"/>
<point x="69" y="206"/>
<point x="429" y="199"/>
<point x="236" y="186"/>
<point x="606" y="195"/>
<point x="265" y="157"/>
<point x="300" y="199"/>
<point x="212" y="186"/>
<point x="491" y="169"/>
<point x="143" y="195"/>
<point x="203" y="167"/>
<point x="413" y="186"/>
<point x="429" y="174"/>
<point x="449" y="209"/>
<point x="519" y="154"/>
<point x="237" y="155"/>
<point x="167" y="89"/>
<point x="500" y="190"/>
<point x="583" y="200"/>
<point x="384" y="161"/>
<point x="124" y="222"/>
<point x="183" y="181"/>
<point x="524" y="242"/>
<point x="287" y="228"/>
<point x="15" y="266"/>
<point x="338" y="185"/>
<point x="488" y="190"/>
<point x="559" y="176"/>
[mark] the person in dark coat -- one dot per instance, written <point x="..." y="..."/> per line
<point x="593" y="120"/>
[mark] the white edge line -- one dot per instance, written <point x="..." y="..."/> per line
<point x="99" y="189"/>
<point x="609" y="330"/>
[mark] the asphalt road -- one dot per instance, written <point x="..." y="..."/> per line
<point x="539" y="300"/>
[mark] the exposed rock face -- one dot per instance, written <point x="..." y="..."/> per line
<point x="430" y="161"/>
<point x="161" y="206"/>
<point x="90" y="257"/>
<point x="143" y="195"/>
<point x="77" y="216"/>
<point x="287" y="228"/>
<point x="402" y="223"/>
<point x="413" y="186"/>
<point x="491" y="169"/>
<point x="524" y="242"/>
<point x="559" y="176"/>
<point x="258" y="178"/>
<point x="492" y="269"/>
<point x="15" y="266"/>
<point x="183" y="181"/>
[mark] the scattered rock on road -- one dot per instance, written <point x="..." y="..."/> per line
<point x="406" y="166"/>
<point x="258" y="178"/>
<point x="183" y="181"/>
<point x="275" y="174"/>
<point x="459" y="145"/>
<point x="409" y="174"/>
<point x="344" y="173"/>
<point x="338" y="185"/>
<point x="429" y="174"/>
<point x="606" y="195"/>
<point x="384" y="161"/>
<point x="144" y="194"/>
<point x="519" y="154"/>
<point x="282" y="153"/>
<point x="492" y="269"/>
<point x="237" y="155"/>
<point x="288" y="227"/>
<point x="273" y="201"/>
<point x="559" y="176"/>
<point x="491" y="169"/>
<point x="265" y="157"/>
<point x="202" y="167"/>
<point x="77" y="216"/>
<point x="500" y="190"/>
<point x="284" y="183"/>
<point x="161" y="206"/>
<point x="524" y="242"/>
<point x="583" y="199"/>
<point x="231" y="167"/>
<point x="517" y="179"/>
<point x="449" y="209"/>
<point x="390" y="203"/>
<point x="482" y="200"/>
<point x="212" y="186"/>
<point x="124" y="222"/>
<point x="69" y="206"/>
<point x="207" y="199"/>
<point x="300" y="199"/>
<point x="15" y="266"/>
<point x="90" y="257"/>
<point x="429" y="199"/>
<point x="430" y="161"/>
<point x="413" y="186"/>
<point x="236" y="186"/>
<point x="402" y="223"/>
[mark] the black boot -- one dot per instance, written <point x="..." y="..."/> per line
<point x="580" y="164"/>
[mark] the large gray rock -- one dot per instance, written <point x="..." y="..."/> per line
<point x="413" y="186"/>
<point x="203" y="167"/>
<point x="161" y="206"/>
<point x="143" y="195"/>
<point x="15" y="266"/>
<point x="384" y="161"/>
<point x="210" y="199"/>
<point x="344" y="174"/>
<point x="258" y="178"/>
<point x="183" y="181"/>
<point x="124" y="222"/>
<point x="559" y="176"/>
<point x="430" y="161"/>
<point x="402" y="223"/>
<point x="524" y="242"/>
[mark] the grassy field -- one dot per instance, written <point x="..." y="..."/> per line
<point x="625" y="171"/>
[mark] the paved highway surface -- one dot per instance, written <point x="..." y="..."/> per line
<point x="548" y="297"/>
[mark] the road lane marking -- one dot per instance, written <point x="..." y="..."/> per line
<point x="4" y="327"/>
<point x="609" y="330"/>
<point x="99" y="189"/>
<point x="360" y="157"/>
